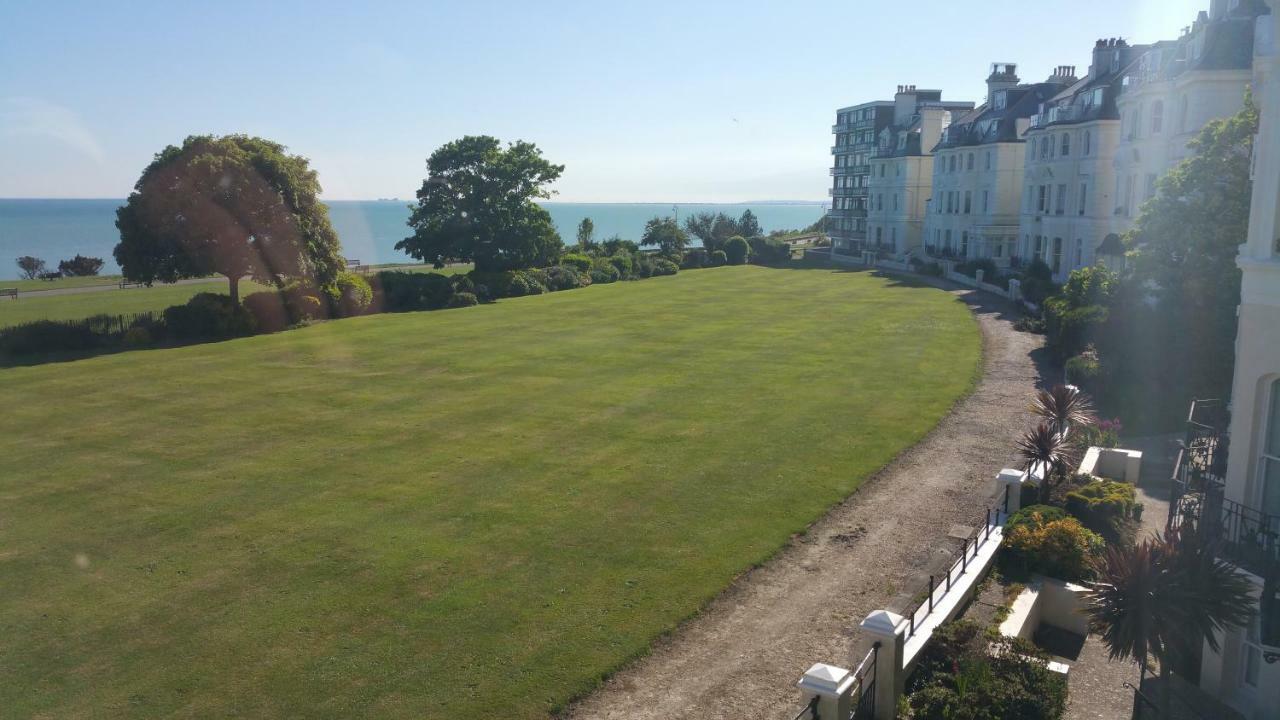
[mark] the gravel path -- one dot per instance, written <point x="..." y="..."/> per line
<point x="743" y="655"/>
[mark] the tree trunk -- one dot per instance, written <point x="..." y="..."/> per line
<point x="1166" y="692"/>
<point x="234" y="285"/>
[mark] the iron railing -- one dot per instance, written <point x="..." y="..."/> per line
<point x="865" y="709"/>
<point x="958" y="567"/>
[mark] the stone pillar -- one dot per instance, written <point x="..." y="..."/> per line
<point x="1015" y="290"/>
<point x="832" y="686"/>
<point x="889" y="630"/>
<point x="978" y="275"/>
<point x="1009" y="485"/>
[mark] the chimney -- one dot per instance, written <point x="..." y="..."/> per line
<point x="904" y="104"/>
<point x="1063" y="75"/>
<point x="1108" y="55"/>
<point x="1003" y="76"/>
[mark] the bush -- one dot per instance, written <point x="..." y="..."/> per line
<point x="769" y="251"/>
<point x="1037" y="282"/>
<point x="718" y="258"/>
<point x="695" y="258"/>
<point x="1084" y="369"/>
<point x="563" y="278"/>
<point x="351" y="295"/>
<point x="80" y="266"/>
<point x="47" y="336"/>
<point x="1067" y="329"/>
<point x="990" y="273"/>
<point x="624" y="265"/>
<point x="1105" y="507"/>
<point x="663" y="266"/>
<point x="463" y="299"/>
<point x="643" y="266"/>
<point x="577" y="261"/>
<point x="1061" y="548"/>
<point x="737" y="250"/>
<point x="1029" y="324"/>
<point x="409" y="291"/>
<point x="208" y="316"/>
<point x="933" y="269"/>
<point x="303" y="302"/>
<point x="1027" y="516"/>
<point x="137" y="337"/>
<point x="268" y="310"/>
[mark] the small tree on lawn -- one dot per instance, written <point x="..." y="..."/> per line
<point x="586" y="234"/>
<point x="235" y="206"/>
<point x="31" y="267"/>
<point x="80" y="266"/>
<point x="478" y="205"/>
<point x="1162" y="596"/>
<point x="666" y="235"/>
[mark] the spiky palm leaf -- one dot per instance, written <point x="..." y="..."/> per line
<point x="1044" y="448"/>
<point x="1064" y="407"/>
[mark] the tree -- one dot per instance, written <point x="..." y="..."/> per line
<point x="477" y="205"/>
<point x="666" y="235"/>
<point x="80" y="266"/>
<point x="712" y="229"/>
<point x="586" y="234"/>
<point x="1163" y="596"/>
<point x="748" y="226"/>
<point x="31" y="267"/>
<point x="1064" y="407"/>
<point x="233" y="205"/>
<point x="1183" y="253"/>
<point x="737" y="250"/>
<point x="1043" y="448"/>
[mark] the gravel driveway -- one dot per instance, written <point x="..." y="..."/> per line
<point x="741" y="657"/>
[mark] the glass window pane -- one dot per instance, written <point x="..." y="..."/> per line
<point x="1273" y="422"/>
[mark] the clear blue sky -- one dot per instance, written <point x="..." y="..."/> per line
<point x="656" y="101"/>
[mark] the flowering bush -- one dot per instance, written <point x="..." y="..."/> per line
<point x="1061" y="548"/>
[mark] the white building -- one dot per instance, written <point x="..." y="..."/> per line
<point x="1068" y="185"/>
<point x="1246" y="674"/>
<point x="901" y="176"/>
<point x="978" y="170"/>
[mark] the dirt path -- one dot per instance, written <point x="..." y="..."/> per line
<point x="743" y="655"/>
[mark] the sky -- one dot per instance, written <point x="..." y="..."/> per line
<point x="642" y="102"/>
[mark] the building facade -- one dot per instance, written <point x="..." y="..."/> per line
<point x="857" y="129"/>
<point x="978" y="167"/>
<point x="901" y="177"/>
<point x="1068" y="185"/>
<point x="1246" y="671"/>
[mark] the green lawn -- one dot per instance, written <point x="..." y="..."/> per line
<point x="463" y="513"/>
<point x="34" y="306"/>
<point x="60" y="283"/>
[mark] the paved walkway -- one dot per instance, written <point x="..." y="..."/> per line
<point x="743" y="655"/>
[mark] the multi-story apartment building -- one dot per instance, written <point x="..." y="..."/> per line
<point x="901" y="175"/>
<point x="1239" y="510"/>
<point x="1173" y="90"/>
<point x="978" y="169"/>
<point x="857" y="129"/>
<point x="1068" y="185"/>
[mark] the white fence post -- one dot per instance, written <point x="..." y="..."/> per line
<point x="1015" y="289"/>
<point x="832" y="686"/>
<point x="1009" y="484"/>
<point x="889" y="630"/>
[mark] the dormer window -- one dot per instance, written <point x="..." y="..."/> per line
<point x="1001" y="99"/>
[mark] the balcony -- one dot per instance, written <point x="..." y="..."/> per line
<point x="1068" y="113"/>
<point x="846" y="170"/>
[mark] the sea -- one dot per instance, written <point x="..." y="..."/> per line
<point x="56" y="230"/>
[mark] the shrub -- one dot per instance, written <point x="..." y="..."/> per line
<point x="1029" y="324"/>
<point x="990" y="273"/>
<point x="268" y="310"/>
<point x="769" y="251"/>
<point x="1027" y="516"/>
<point x="525" y="283"/>
<point x="616" y="245"/>
<point x="663" y="266"/>
<point x="208" y="316"/>
<point x="737" y="250"/>
<point x="643" y="265"/>
<point x="577" y="261"/>
<point x="350" y="295"/>
<point x="408" y="291"/>
<point x="1105" y="507"/>
<point x="303" y="302"/>
<point x="1037" y="282"/>
<point x="604" y="271"/>
<point x="80" y="266"/>
<point x="462" y="283"/>
<point x="624" y="265"/>
<point x="695" y="258"/>
<point x="463" y="299"/>
<point x="1068" y="329"/>
<point x="718" y="258"/>
<point x="47" y="336"/>
<point x="137" y="337"/>
<point x="1061" y="548"/>
<point x="563" y="278"/>
<point x="932" y="268"/>
<point x="1104" y="433"/>
<point x="1084" y="369"/>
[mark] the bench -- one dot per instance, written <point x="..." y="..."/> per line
<point x="11" y="292"/>
<point x="126" y="284"/>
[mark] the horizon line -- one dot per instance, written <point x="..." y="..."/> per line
<point x="547" y="202"/>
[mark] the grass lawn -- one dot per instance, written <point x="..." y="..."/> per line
<point x="32" y="306"/>
<point x="463" y="513"/>
<point x="60" y="283"/>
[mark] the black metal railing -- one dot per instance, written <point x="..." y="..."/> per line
<point x="809" y="711"/>
<point x="1244" y="536"/>
<point x="865" y="709"/>
<point x="969" y="548"/>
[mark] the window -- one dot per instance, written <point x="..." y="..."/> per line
<point x="986" y="205"/>
<point x="893" y="238"/>
<point x="1079" y="253"/>
<point x="968" y="201"/>
<point x="1151" y="186"/>
<point x="1061" y="207"/>
<point x="969" y="164"/>
<point x="1043" y="203"/>
<point x="1066" y="145"/>
<point x="879" y="202"/>
<point x="1269" y="463"/>
<point x="879" y="235"/>
<point x="1088" y="140"/>
<point x="1057" y="255"/>
<point x="881" y="169"/>
<point x="1182" y="114"/>
<point x="1084" y="194"/>
<point x="951" y="164"/>
<point x="988" y="159"/>
<point x="964" y="244"/>
<point x="1039" y="246"/>
<point x="1044" y="148"/>
<point x="895" y="202"/>
<point x="948" y="237"/>
<point x="1135" y="126"/>
<point x="1157" y="117"/>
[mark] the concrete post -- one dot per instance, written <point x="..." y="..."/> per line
<point x="833" y="686"/>
<point x="979" y="274"/>
<point x="1015" y="290"/>
<point x="889" y="629"/>
<point x="1009" y="486"/>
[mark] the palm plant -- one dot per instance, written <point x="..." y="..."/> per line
<point x="1064" y="407"/>
<point x="1162" y="596"/>
<point x="1044" y="448"/>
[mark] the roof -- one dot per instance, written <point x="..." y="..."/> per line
<point x="985" y="125"/>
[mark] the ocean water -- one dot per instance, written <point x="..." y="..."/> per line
<point x="55" y="230"/>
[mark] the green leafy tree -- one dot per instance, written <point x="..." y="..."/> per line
<point x="586" y="234"/>
<point x="712" y="229"/>
<point x="737" y="250"/>
<point x="478" y="205"/>
<point x="1184" y="247"/>
<point x="666" y="235"/>
<point x="1164" y="596"/>
<point x="748" y="226"/>
<point x="80" y="266"/>
<point x="30" y="266"/>
<point x="233" y="205"/>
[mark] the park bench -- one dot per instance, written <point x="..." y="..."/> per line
<point x="126" y="284"/>
<point x="354" y="265"/>
<point x="11" y="292"/>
